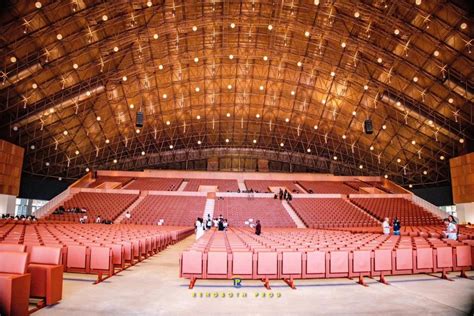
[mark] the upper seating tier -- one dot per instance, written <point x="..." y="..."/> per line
<point x="270" y="212"/>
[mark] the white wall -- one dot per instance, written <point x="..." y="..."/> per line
<point x="7" y="204"/>
<point x="465" y="212"/>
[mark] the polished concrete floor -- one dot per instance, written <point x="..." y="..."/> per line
<point x="154" y="288"/>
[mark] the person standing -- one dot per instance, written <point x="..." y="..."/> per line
<point x="451" y="231"/>
<point x="199" y="228"/>
<point x="386" y="226"/>
<point x="396" y="226"/>
<point x="258" y="228"/>
<point x="209" y="222"/>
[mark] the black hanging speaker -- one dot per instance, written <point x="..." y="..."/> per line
<point x="368" y="128"/>
<point x="139" y="119"/>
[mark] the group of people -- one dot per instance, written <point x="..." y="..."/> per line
<point x="395" y="224"/>
<point x="29" y="218"/>
<point x="98" y="220"/>
<point x="219" y="222"/>
<point x="450" y="224"/>
<point x="61" y="210"/>
<point x="283" y="195"/>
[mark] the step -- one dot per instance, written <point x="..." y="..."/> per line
<point x="182" y="186"/>
<point x="209" y="208"/>
<point x="362" y="210"/>
<point x="299" y="223"/>
<point x="242" y="186"/>
<point x="300" y="187"/>
<point x="120" y="218"/>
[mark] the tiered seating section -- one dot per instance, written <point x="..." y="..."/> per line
<point x="264" y="185"/>
<point x="330" y="212"/>
<point x="102" y="179"/>
<point x="296" y="254"/>
<point x="223" y="185"/>
<point x="155" y="184"/>
<point x="407" y="212"/>
<point x="327" y="187"/>
<point x="108" y="205"/>
<point x="270" y="212"/>
<point x="174" y="210"/>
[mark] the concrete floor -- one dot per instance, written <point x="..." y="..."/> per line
<point x="154" y="288"/>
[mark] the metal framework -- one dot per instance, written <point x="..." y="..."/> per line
<point x="289" y="80"/>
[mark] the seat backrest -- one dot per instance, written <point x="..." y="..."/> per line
<point x="12" y="248"/>
<point x="45" y="255"/>
<point x="13" y="262"/>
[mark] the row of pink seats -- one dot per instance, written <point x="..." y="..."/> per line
<point x="102" y="179"/>
<point x="407" y="212"/>
<point x="107" y="205"/>
<point x="174" y="210"/>
<point x="37" y="274"/>
<point x="330" y="212"/>
<point x="263" y="186"/>
<point x="327" y="187"/>
<point x="258" y="257"/>
<point x="238" y="210"/>
<point x="223" y="185"/>
<point x="154" y="184"/>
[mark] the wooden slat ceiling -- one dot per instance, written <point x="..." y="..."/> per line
<point x="289" y="76"/>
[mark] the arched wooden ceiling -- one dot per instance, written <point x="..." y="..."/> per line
<point x="284" y="76"/>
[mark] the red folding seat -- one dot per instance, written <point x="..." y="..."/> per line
<point x="217" y="264"/>
<point x="46" y="274"/>
<point x="191" y="264"/>
<point x="444" y="259"/>
<point x="361" y="262"/>
<point x="77" y="259"/>
<point x="101" y="262"/>
<point x="463" y="258"/>
<point x="118" y="255"/>
<point x="339" y="263"/>
<point x="404" y="260"/>
<point x="382" y="261"/>
<point x="291" y="264"/>
<point x="14" y="284"/>
<point x="267" y="265"/>
<point x="424" y="260"/>
<point x="242" y="264"/>
<point x="12" y="248"/>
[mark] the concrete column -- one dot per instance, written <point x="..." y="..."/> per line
<point x="465" y="212"/>
<point x="7" y="204"/>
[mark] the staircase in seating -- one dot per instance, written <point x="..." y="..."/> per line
<point x="121" y="217"/>
<point x="209" y="207"/>
<point x="182" y="185"/>
<point x="299" y="223"/>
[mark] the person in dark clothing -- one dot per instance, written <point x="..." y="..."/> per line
<point x="258" y="228"/>
<point x="220" y="225"/>
<point x="396" y="226"/>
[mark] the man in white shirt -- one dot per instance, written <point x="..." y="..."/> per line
<point x="128" y="215"/>
<point x="451" y="231"/>
<point x="386" y="226"/>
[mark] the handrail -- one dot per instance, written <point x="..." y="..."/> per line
<point x="45" y="209"/>
<point x="428" y="206"/>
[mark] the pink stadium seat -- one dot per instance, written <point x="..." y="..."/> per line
<point x="77" y="259"/>
<point x="267" y="264"/>
<point x="191" y="262"/>
<point x="424" y="258"/>
<point x="361" y="261"/>
<point x="404" y="259"/>
<point x="316" y="262"/>
<point x="291" y="263"/>
<point x="12" y="248"/>
<point x="242" y="263"/>
<point x="339" y="262"/>
<point x="14" y="283"/>
<point x="216" y="263"/>
<point x="46" y="274"/>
